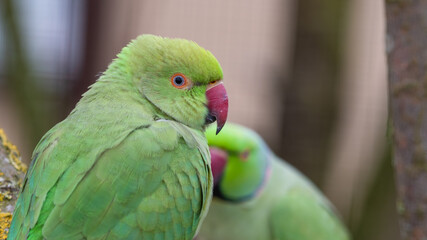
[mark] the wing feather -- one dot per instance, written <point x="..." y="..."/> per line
<point x="288" y="220"/>
<point x="96" y="192"/>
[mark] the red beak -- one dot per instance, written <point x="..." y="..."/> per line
<point x="217" y="105"/>
<point x="218" y="162"/>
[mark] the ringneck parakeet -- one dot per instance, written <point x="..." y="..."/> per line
<point x="259" y="196"/>
<point x="131" y="160"/>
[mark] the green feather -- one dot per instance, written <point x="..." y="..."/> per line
<point x="282" y="204"/>
<point x="130" y="161"/>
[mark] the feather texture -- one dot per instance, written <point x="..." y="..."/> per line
<point x="120" y="166"/>
<point x="283" y="205"/>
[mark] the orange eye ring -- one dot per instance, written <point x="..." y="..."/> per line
<point x="178" y="80"/>
<point x="213" y="82"/>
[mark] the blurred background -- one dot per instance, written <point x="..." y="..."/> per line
<point x="309" y="76"/>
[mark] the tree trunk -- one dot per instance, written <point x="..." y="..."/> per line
<point x="407" y="58"/>
<point x="310" y="98"/>
<point x="19" y="75"/>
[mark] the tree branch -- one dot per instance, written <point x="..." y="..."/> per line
<point x="12" y="172"/>
<point x="407" y="58"/>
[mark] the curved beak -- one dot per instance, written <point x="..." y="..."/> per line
<point x="218" y="162"/>
<point x="217" y="105"/>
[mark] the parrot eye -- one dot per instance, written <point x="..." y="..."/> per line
<point x="179" y="81"/>
<point x="244" y="156"/>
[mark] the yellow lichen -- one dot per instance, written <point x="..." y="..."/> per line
<point x="12" y="152"/>
<point x="6" y="195"/>
<point x="5" y="220"/>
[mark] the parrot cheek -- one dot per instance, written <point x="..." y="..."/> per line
<point x="217" y="105"/>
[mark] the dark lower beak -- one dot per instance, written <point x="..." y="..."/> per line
<point x="217" y="105"/>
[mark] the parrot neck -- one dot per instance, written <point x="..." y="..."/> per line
<point x="246" y="181"/>
<point x="116" y="89"/>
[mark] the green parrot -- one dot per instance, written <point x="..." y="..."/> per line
<point x="259" y="196"/>
<point x="131" y="160"/>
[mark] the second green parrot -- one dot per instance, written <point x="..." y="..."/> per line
<point x="259" y="196"/>
<point x="131" y="160"/>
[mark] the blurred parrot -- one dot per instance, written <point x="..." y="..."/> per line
<point x="131" y="160"/>
<point x="259" y="196"/>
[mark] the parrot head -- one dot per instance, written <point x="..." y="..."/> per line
<point x="179" y="78"/>
<point x="239" y="161"/>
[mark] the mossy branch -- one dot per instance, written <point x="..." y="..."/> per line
<point x="12" y="172"/>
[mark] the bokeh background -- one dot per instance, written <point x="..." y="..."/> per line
<point x="309" y="76"/>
